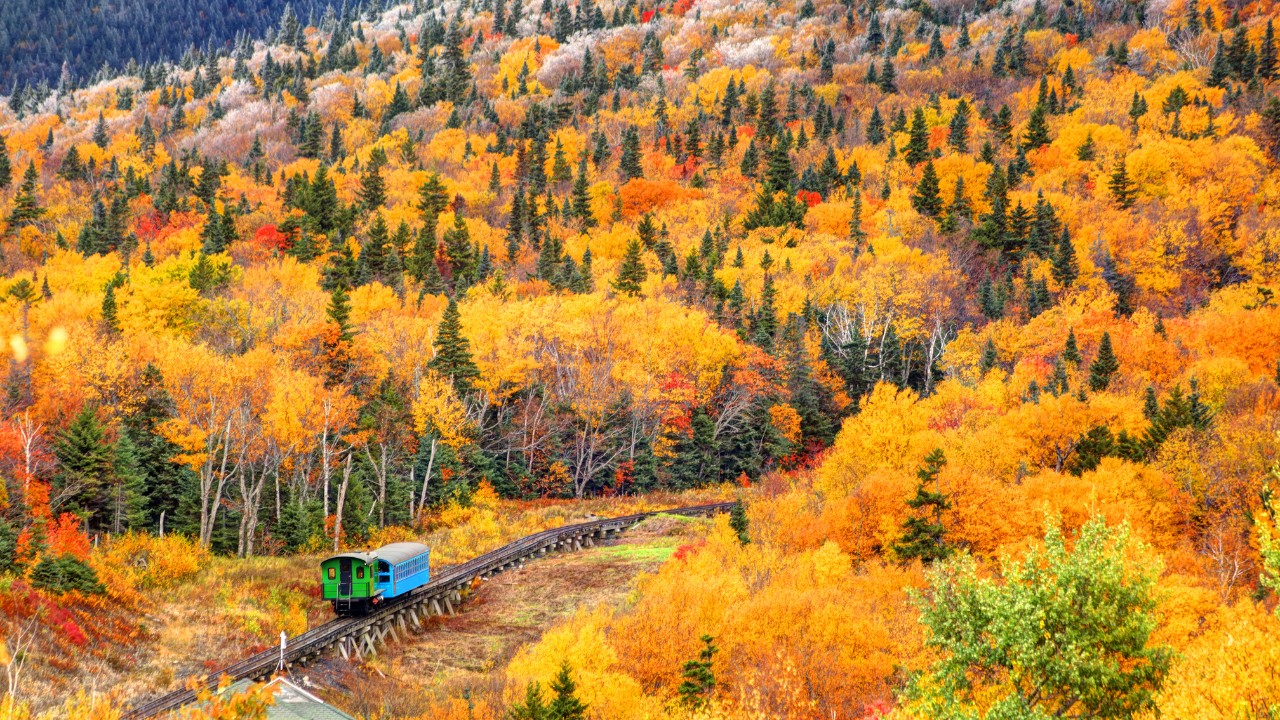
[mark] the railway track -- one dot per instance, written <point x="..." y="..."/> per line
<point x="357" y="635"/>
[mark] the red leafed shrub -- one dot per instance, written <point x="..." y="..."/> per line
<point x="808" y="197"/>
<point x="684" y="551"/>
<point x="66" y="538"/>
<point x="877" y="709"/>
<point x="72" y="632"/>
<point x="270" y="238"/>
<point x="647" y="15"/>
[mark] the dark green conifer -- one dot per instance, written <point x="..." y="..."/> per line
<point x="875" y="127"/>
<point x="632" y="273"/>
<point x="927" y="199"/>
<point x="1065" y="267"/>
<point x="699" y="680"/>
<point x="924" y="535"/>
<point x="629" y="162"/>
<point x="86" y="464"/>
<point x="565" y="704"/>
<point x="6" y="165"/>
<point x="453" y="351"/>
<point x="990" y="359"/>
<point x="917" y="150"/>
<point x="26" y="206"/>
<point x="958" y="130"/>
<point x="1071" y="351"/>
<point x="1122" y="189"/>
<point x="739" y="522"/>
<point x="1104" y="367"/>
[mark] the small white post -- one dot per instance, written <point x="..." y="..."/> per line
<point x="284" y="641"/>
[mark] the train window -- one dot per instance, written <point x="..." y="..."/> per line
<point x="332" y="573"/>
<point x="359" y="573"/>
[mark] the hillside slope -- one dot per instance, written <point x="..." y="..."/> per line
<point x="37" y="37"/>
<point x="933" y="284"/>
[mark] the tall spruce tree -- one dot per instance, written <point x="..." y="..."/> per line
<point x="86" y="465"/>
<point x="924" y="536"/>
<point x="632" y="272"/>
<point x="629" y="163"/>
<point x="1104" y="367"/>
<point x="453" y="351"/>
<point x="917" y="150"/>
<point x="927" y="199"/>
<point x="6" y="165"/>
<point x="699" y="679"/>
<point x="26" y="206"/>
<point x="565" y="704"/>
<point x="1122" y="189"/>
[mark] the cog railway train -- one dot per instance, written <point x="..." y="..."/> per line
<point x="356" y="582"/>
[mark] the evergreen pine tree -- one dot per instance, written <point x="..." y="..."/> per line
<point x="461" y="254"/>
<point x="764" y="324"/>
<point x="100" y="135"/>
<point x="887" y="81"/>
<point x="128" y="490"/>
<point x="26" y="206"/>
<point x="699" y="680"/>
<point x="1104" y="367"/>
<point x="924" y="534"/>
<point x="1037" y="129"/>
<point x="1267" y="67"/>
<point x="6" y="165"/>
<point x="856" y="234"/>
<point x="875" y="127"/>
<point x="629" y="162"/>
<point x="917" y="150"/>
<point x="958" y="130"/>
<point x="110" y="321"/>
<point x="85" y="464"/>
<point x="533" y="707"/>
<point x="1071" y="351"/>
<point x="927" y="199"/>
<point x="632" y="272"/>
<point x="582" y="196"/>
<point x="373" y="189"/>
<point x="739" y="523"/>
<point x="990" y="359"/>
<point x="453" y="351"/>
<point x="1065" y="267"/>
<point x="1088" y="150"/>
<point x="1122" y="189"/>
<point x="565" y="704"/>
<point x="339" y="313"/>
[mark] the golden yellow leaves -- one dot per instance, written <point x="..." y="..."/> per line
<point x="1228" y="672"/>
<point x="438" y="410"/>
<point x="786" y="421"/>
<point x="884" y="434"/>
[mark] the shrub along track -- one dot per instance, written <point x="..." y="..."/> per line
<point x="358" y="634"/>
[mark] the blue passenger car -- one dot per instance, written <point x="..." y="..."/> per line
<point x="355" y="582"/>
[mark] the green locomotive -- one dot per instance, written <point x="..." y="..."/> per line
<point x="356" y="582"/>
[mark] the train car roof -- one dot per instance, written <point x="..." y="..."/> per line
<point x="396" y="553"/>
<point x="364" y="557"/>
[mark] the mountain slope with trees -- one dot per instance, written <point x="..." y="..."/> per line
<point x="39" y="38"/>
<point x="946" y="292"/>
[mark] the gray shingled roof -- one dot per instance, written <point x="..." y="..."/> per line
<point x="294" y="703"/>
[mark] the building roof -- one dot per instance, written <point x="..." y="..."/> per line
<point x="294" y="703"/>
<point x="396" y="553"/>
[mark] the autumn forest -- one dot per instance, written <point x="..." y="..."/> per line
<point x="969" y="304"/>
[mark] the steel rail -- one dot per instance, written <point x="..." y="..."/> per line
<point x="446" y="582"/>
